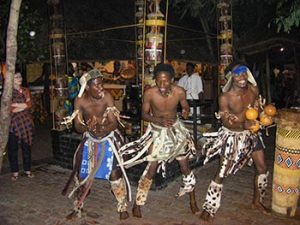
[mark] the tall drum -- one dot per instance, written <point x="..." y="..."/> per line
<point x="286" y="176"/>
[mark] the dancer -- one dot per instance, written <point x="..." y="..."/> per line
<point x="166" y="137"/>
<point x="97" y="156"/>
<point x="234" y="142"/>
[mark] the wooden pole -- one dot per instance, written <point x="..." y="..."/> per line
<point x="297" y="72"/>
<point x="267" y="80"/>
<point x="166" y="30"/>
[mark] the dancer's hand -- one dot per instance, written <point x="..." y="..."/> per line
<point x="232" y="118"/>
<point x="229" y="116"/>
<point x="95" y="127"/>
<point x="248" y="124"/>
<point x="185" y="114"/>
<point x="91" y="124"/>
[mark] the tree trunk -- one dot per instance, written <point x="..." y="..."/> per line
<point x="11" y="54"/>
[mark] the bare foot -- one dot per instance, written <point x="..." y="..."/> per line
<point x="136" y="211"/>
<point x="261" y="207"/>
<point x="73" y="215"/>
<point x="193" y="203"/>
<point x="124" y="215"/>
<point x="205" y="216"/>
<point x="194" y="208"/>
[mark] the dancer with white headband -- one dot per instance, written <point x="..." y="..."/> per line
<point x="97" y="155"/>
<point x="234" y="142"/>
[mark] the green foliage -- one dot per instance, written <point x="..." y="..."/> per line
<point x="288" y="15"/>
<point x="29" y="20"/>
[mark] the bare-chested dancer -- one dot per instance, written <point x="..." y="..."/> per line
<point x="234" y="142"/>
<point x="97" y="155"/>
<point x="166" y="137"/>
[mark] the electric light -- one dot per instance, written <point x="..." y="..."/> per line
<point x="32" y="33"/>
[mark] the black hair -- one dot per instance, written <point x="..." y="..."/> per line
<point x="161" y="67"/>
<point x="191" y="65"/>
<point x="70" y="70"/>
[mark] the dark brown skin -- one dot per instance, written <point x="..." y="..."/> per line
<point x="236" y="102"/>
<point x="92" y="106"/>
<point x="233" y="105"/>
<point x="160" y="107"/>
<point x="160" y="102"/>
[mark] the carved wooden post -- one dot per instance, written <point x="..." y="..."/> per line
<point x="58" y="60"/>
<point x="154" y="27"/>
<point x="225" y="38"/>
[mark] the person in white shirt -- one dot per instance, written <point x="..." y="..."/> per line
<point x="192" y="83"/>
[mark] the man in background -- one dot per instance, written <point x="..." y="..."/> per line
<point x="192" y="84"/>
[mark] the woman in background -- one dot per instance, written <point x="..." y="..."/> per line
<point x="21" y="129"/>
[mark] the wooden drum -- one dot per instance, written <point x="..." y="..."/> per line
<point x="286" y="176"/>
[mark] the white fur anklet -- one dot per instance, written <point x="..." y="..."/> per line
<point x="119" y="189"/>
<point x="213" y="198"/>
<point x="142" y="190"/>
<point x="262" y="183"/>
<point x="78" y="208"/>
<point x="189" y="182"/>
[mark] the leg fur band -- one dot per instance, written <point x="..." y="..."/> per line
<point x="189" y="182"/>
<point x="78" y="208"/>
<point x="142" y="191"/>
<point x="262" y="183"/>
<point x="119" y="190"/>
<point x="213" y="198"/>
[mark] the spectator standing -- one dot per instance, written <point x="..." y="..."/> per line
<point x="21" y="129"/>
<point x="192" y="84"/>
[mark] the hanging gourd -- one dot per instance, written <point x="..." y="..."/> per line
<point x="265" y="120"/>
<point x="254" y="128"/>
<point x="154" y="45"/>
<point x="154" y="38"/>
<point x="270" y="110"/>
<point x="251" y="113"/>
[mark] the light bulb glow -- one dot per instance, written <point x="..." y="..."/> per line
<point x="32" y="33"/>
